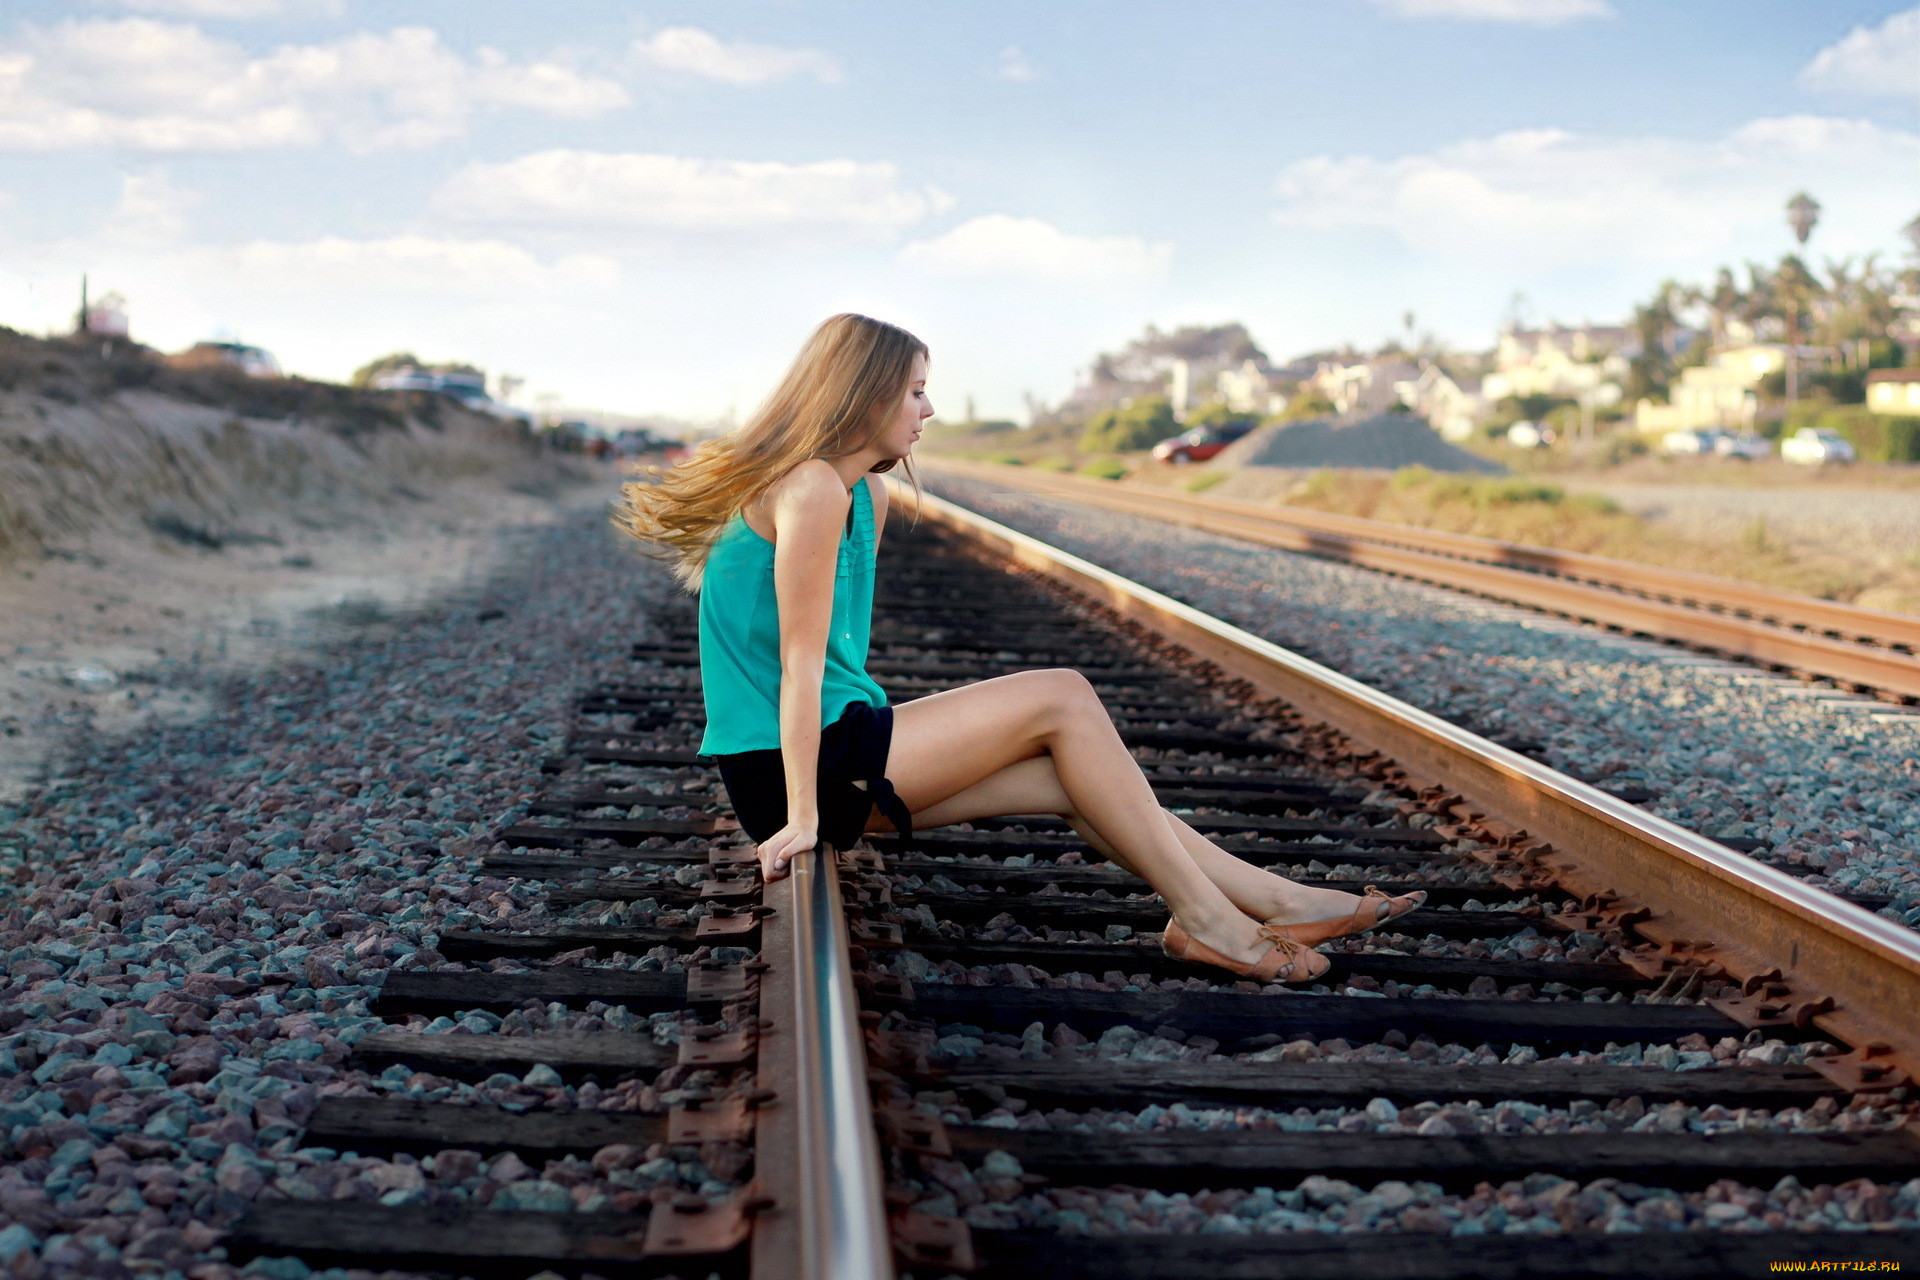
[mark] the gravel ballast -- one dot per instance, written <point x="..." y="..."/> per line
<point x="1829" y="781"/>
<point x="199" y="915"/>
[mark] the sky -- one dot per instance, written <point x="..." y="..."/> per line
<point x="643" y="208"/>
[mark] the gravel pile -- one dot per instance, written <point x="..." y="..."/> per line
<point x="1829" y="783"/>
<point x="199" y="915"/>
<point x="1385" y="442"/>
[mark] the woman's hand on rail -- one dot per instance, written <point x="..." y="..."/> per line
<point x="778" y="853"/>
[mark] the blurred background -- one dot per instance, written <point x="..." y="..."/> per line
<point x="640" y="209"/>
<point x="298" y="293"/>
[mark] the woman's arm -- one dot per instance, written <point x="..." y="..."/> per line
<point x="878" y="489"/>
<point x="809" y="509"/>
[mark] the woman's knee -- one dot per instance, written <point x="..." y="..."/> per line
<point x="1065" y="693"/>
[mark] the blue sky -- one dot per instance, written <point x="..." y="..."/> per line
<point x="644" y="207"/>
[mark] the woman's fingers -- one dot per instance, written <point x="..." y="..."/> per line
<point x="777" y="854"/>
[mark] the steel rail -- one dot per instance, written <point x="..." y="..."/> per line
<point x="817" y="1148"/>
<point x="1760" y="918"/>
<point x="1590" y="587"/>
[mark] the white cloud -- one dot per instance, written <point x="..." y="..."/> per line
<point x="591" y="189"/>
<point x="1535" y="13"/>
<point x="1880" y="62"/>
<point x="231" y="8"/>
<point x="152" y="210"/>
<point x="691" y="51"/>
<point x="1546" y="198"/>
<point x="1001" y="245"/>
<point x="148" y="85"/>
<point x="413" y="265"/>
<point x="1013" y="66"/>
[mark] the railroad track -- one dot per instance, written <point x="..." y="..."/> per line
<point x="972" y="1058"/>
<point x="1866" y="648"/>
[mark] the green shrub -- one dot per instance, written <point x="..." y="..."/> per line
<point x="1410" y="478"/>
<point x="1054" y="463"/>
<point x="1509" y="493"/>
<point x="1215" y="413"/>
<point x="1876" y="437"/>
<point x="1140" y="424"/>
<point x="1305" y="404"/>
<point x="1205" y="481"/>
<point x="1474" y="491"/>
<point x="1318" y="486"/>
<point x="1105" y="469"/>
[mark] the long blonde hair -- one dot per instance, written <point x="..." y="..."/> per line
<point x="831" y="403"/>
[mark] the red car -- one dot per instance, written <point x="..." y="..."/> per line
<point x="1199" y="444"/>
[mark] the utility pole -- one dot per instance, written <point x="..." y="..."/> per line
<point x="1803" y="214"/>
<point x="80" y="322"/>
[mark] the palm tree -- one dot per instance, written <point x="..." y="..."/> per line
<point x="1803" y="213"/>
<point x="1794" y="289"/>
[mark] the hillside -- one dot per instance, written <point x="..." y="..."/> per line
<point x="160" y="527"/>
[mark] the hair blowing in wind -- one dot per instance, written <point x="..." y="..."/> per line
<point x="829" y="404"/>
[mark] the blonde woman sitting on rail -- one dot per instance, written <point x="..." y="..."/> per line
<point x="777" y="526"/>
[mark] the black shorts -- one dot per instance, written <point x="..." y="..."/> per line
<point x="853" y="749"/>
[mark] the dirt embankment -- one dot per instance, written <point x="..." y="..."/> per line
<point x="106" y="438"/>
<point x="159" y="526"/>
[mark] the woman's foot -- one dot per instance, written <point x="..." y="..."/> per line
<point x="1272" y="957"/>
<point x="1370" y="910"/>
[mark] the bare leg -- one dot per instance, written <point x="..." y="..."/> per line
<point x="947" y="743"/>
<point x="1033" y="786"/>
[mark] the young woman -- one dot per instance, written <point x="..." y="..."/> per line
<point x="777" y="525"/>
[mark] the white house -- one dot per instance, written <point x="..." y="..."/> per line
<point x="1251" y="389"/>
<point x="1721" y="394"/>
<point x="1895" y="391"/>
<point x="1558" y="361"/>
<point x="1439" y="399"/>
<point x="1361" y="390"/>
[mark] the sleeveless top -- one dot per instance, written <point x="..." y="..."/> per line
<point x="740" y="634"/>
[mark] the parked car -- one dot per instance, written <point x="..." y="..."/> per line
<point x="255" y="362"/>
<point x="1744" y="444"/>
<point x="1813" y="446"/>
<point x="1689" y="442"/>
<point x="405" y="379"/>
<point x="1529" y="435"/>
<point x="1201" y="443"/>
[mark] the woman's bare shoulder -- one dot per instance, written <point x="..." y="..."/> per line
<point x="812" y="486"/>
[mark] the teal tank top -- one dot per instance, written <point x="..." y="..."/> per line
<point x="740" y="634"/>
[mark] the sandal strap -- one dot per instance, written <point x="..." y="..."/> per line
<point x="1288" y="955"/>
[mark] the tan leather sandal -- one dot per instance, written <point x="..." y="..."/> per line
<point x="1286" y="961"/>
<point x="1375" y="909"/>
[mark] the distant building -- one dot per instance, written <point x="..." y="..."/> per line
<point x="1569" y="363"/>
<point x="105" y="316"/>
<point x="1254" y="387"/>
<point x="1720" y="394"/>
<point x="1894" y="391"/>
<point x="1439" y="399"/>
<point x="1366" y="388"/>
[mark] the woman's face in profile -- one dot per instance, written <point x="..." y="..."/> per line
<point x="902" y="427"/>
